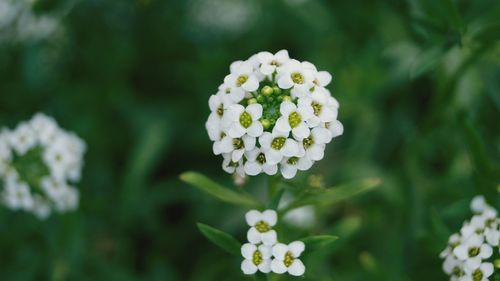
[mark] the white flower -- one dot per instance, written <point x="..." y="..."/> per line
<point x="269" y="62"/>
<point x="277" y="145"/>
<point x="231" y="166"/>
<point x="290" y="165"/>
<point x="286" y="258"/>
<point x="230" y="94"/>
<point x="256" y="163"/>
<point x="473" y="251"/>
<point x="294" y="75"/>
<point x="453" y="267"/>
<point x="235" y="147"/>
<point x="293" y="118"/>
<point x="321" y="78"/>
<point x="239" y="120"/>
<point x="23" y="138"/>
<point x="17" y="195"/>
<point x="324" y="109"/>
<point x="261" y="227"/>
<point x="242" y="76"/>
<point x="453" y="242"/>
<point x="478" y="204"/>
<point x="492" y="236"/>
<point x="481" y="273"/>
<point x="336" y="128"/>
<point x="314" y="145"/>
<point x="45" y="127"/>
<point x="256" y="258"/>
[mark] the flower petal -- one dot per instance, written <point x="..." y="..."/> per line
<point x="248" y="267"/>
<point x="251" y="84"/>
<point x="297" y="268"/>
<point x="270" y="216"/>
<point x="266" y="251"/>
<point x="277" y="266"/>
<point x="254" y="236"/>
<point x="247" y="250"/>
<point x="252" y="217"/>
<point x="265" y="266"/>
<point x="269" y="238"/>
<point x="279" y="251"/>
<point x="296" y="247"/>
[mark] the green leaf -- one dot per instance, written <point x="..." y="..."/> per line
<point x="317" y="242"/>
<point x="221" y="239"/>
<point x="273" y="205"/>
<point x="426" y="61"/>
<point x="218" y="191"/>
<point x="335" y="195"/>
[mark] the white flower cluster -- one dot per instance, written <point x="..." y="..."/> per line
<point x="469" y="252"/>
<point x="38" y="161"/>
<point x="18" y="21"/>
<point x="272" y="112"/>
<point x="263" y="252"/>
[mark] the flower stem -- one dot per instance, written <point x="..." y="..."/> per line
<point x="272" y="188"/>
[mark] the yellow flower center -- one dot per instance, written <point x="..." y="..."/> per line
<point x="307" y="142"/>
<point x="293" y="160"/>
<point x="317" y="108"/>
<point x="297" y="78"/>
<point x="245" y="119"/>
<point x="477" y="275"/>
<point x="261" y="158"/>
<point x="473" y="252"/>
<point x="241" y="80"/>
<point x="238" y="143"/>
<point x="257" y="257"/>
<point x="262" y="227"/>
<point x="294" y="119"/>
<point x="288" y="259"/>
<point x="278" y="143"/>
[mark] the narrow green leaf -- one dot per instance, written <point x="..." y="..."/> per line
<point x="317" y="242"/>
<point x="218" y="191"/>
<point x="334" y="195"/>
<point x="273" y="205"/>
<point x="426" y="61"/>
<point x="221" y="239"/>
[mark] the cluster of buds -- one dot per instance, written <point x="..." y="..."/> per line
<point x="272" y="113"/>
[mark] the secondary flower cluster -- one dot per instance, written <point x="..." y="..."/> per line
<point x="468" y="256"/>
<point x="263" y="252"/>
<point x="272" y="112"/>
<point x="38" y="160"/>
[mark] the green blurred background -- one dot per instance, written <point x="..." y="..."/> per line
<point x="419" y="87"/>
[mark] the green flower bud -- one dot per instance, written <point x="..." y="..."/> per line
<point x="261" y="98"/>
<point x="276" y="90"/>
<point x="267" y="91"/>
<point x="265" y="123"/>
<point x="287" y="98"/>
<point x="252" y="101"/>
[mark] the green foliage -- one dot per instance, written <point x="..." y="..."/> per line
<point x="419" y="94"/>
<point x="220" y="192"/>
<point x="318" y="242"/>
<point x="221" y="239"/>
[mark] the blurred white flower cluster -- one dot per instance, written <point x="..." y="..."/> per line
<point x="38" y="163"/>
<point x="263" y="252"/>
<point x="469" y="254"/>
<point x="18" y="21"/>
<point x="272" y="113"/>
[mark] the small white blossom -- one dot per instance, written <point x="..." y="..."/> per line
<point x="242" y="77"/>
<point x="257" y="163"/>
<point x="277" y="145"/>
<point x="286" y="258"/>
<point x="261" y="227"/>
<point x="293" y="118"/>
<point x="472" y="251"/>
<point x="269" y="63"/>
<point x="481" y="273"/>
<point x="257" y="258"/>
<point x="239" y="120"/>
<point x="297" y="77"/>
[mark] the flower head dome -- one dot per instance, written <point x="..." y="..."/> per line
<point x="272" y="113"/>
<point x="39" y="162"/>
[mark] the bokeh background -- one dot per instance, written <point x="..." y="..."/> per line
<point x="419" y="87"/>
